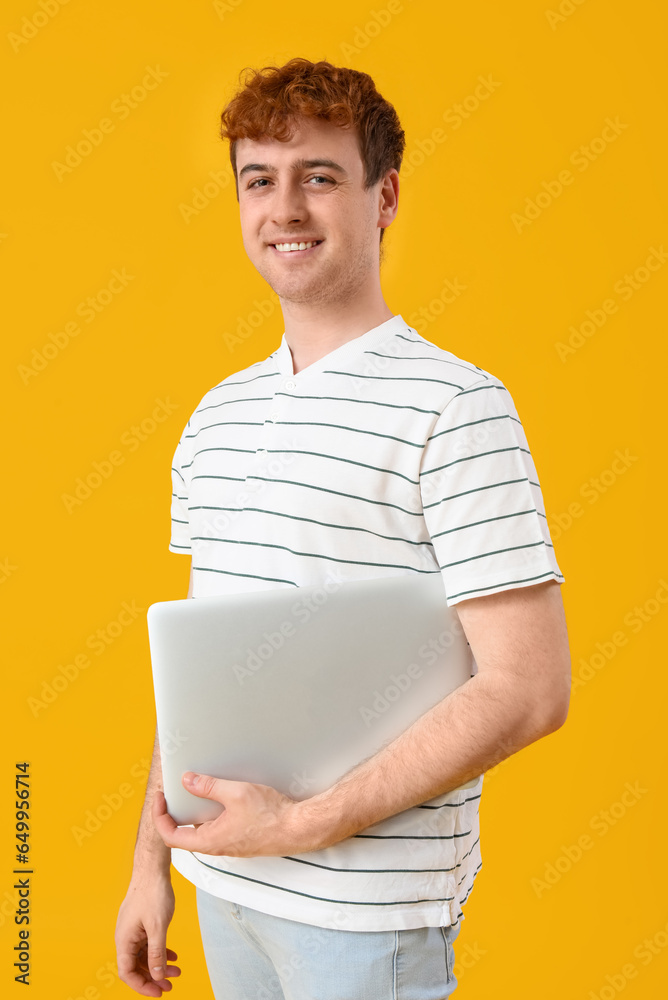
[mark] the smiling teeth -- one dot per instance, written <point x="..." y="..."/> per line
<point x="286" y="247"/>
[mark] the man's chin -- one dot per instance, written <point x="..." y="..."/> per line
<point x="294" y="291"/>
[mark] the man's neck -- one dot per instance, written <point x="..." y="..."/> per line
<point x="313" y="333"/>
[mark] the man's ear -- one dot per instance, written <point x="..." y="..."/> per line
<point x="388" y="198"/>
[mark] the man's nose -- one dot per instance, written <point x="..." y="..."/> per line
<point x="288" y="205"/>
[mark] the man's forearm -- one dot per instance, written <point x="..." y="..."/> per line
<point x="475" y="727"/>
<point x="151" y="854"/>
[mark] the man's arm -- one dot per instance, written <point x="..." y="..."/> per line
<point x="519" y="694"/>
<point x="148" y="907"/>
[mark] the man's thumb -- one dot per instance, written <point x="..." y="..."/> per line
<point x="200" y="784"/>
<point x="157" y="958"/>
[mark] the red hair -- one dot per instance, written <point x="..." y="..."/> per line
<point x="271" y="100"/>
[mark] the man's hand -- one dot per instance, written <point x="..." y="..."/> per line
<point x="141" y="933"/>
<point x="256" y="820"/>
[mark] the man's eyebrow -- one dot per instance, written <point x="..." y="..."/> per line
<point x="301" y="164"/>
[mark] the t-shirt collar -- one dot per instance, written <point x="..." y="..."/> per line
<point x="342" y="355"/>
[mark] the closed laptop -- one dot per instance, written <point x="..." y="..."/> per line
<point x="293" y="686"/>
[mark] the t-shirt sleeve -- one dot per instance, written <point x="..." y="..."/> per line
<point x="483" y="505"/>
<point x="180" y="533"/>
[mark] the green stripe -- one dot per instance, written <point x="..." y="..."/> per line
<point x="395" y="378"/>
<point x="471" y="423"/>
<point x="225" y="383"/>
<point x="473" y="524"/>
<point x="489" y="385"/>
<point x="406" y="357"/>
<point x="528" y="579"/>
<point x="344" y="427"/>
<point x="235" y="479"/>
<point x="470" y="458"/>
<point x="411" y="357"/>
<point x="454" y="805"/>
<point x="494" y="552"/>
<point x="310" y="520"/>
<point x="366" y="402"/>
<point x="310" y="555"/>
<point x="444" y="836"/>
<point x="379" y="871"/>
<point x="338" y="493"/>
<point x="477" y="489"/>
<point x="250" y="576"/>
<point x="336" y="458"/>
<point x="468" y="366"/>
<point x="471" y="848"/>
<point x="370" y="871"/>
<point x="244" y="451"/>
<point x="244" y="399"/>
<point x="226" y="423"/>
<point x="324" y="899"/>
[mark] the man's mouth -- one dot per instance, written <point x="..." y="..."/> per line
<point x="289" y="248"/>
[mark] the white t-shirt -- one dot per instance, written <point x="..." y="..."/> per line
<point x="389" y="455"/>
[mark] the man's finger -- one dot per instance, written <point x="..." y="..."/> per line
<point x="132" y="962"/>
<point x="204" y="785"/>
<point x="162" y="821"/>
<point x="186" y="837"/>
<point x="172" y="971"/>
<point x="136" y="979"/>
<point x="157" y="959"/>
<point x="128" y="973"/>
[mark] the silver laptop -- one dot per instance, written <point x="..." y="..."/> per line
<point x="292" y="687"/>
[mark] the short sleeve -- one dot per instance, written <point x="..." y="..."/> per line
<point x="482" y="501"/>
<point x="180" y="535"/>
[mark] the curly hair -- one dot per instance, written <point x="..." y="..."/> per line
<point x="271" y="100"/>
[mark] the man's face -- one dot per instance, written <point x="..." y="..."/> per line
<point x="309" y="189"/>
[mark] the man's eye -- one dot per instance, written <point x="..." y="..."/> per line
<point x="316" y="177"/>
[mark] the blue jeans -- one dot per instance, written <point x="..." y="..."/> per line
<point x="256" y="956"/>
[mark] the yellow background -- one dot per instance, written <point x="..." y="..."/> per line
<point x="68" y="569"/>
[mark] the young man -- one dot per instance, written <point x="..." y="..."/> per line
<point x="356" y="449"/>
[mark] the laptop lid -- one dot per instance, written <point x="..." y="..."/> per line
<point x="292" y="687"/>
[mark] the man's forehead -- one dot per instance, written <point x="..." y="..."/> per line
<point x="310" y="139"/>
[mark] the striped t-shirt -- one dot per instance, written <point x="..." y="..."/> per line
<point x="388" y="455"/>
